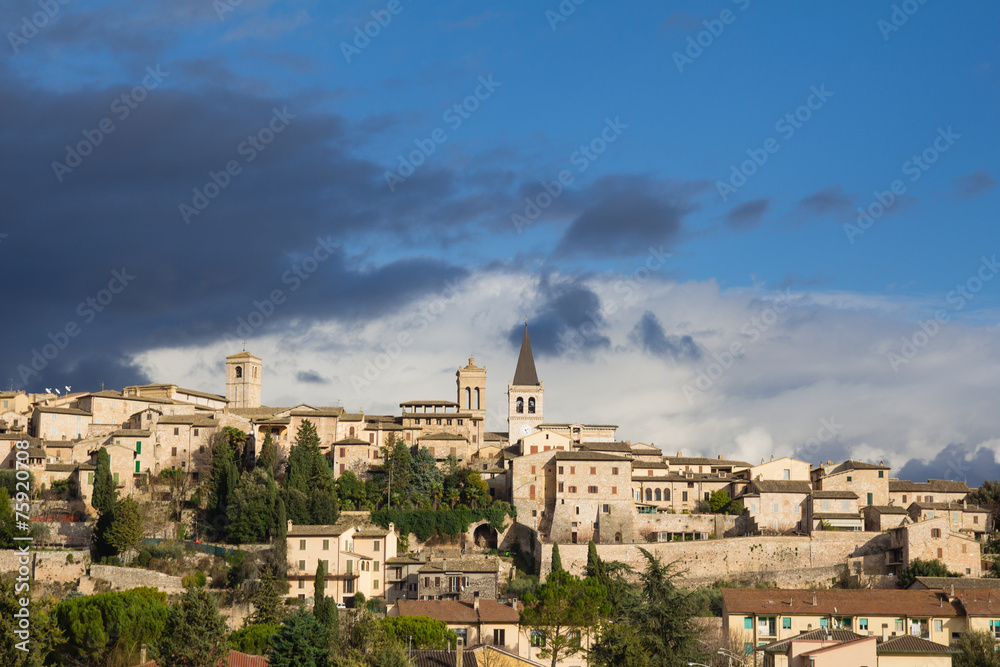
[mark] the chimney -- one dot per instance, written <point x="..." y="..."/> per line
<point x="885" y="632"/>
<point x="953" y="590"/>
<point x="459" y="651"/>
<point x="814" y="598"/>
<point x="680" y="454"/>
<point x="475" y="600"/>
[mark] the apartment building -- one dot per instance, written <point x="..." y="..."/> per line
<point x="778" y="505"/>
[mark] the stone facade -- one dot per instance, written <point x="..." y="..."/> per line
<point x="903" y="492"/>
<point x="459" y="579"/>
<point x="963" y="517"/>
<point x="243" y="380"/>
<point x="126" y="578"/>
<point x="883" y="517"/>
<point x="868" y="480"/>
<point x="933" y="539"/>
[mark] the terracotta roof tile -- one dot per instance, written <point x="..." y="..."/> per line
<point x="846" y="602"/>
<point x="453" y="611"/>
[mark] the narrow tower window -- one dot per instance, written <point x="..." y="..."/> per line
<point x="520" y="405"/>
<point x="477" y="399"/>
<point x="468" y="398"/>
<point x="239" y="371"/>
<point x="531" y="406"/>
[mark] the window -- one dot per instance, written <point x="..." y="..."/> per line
<point x="302" y="583"/>
<point x="954" y="516"/>
<point x="786" y="474"/>
<point x="560" y="470"/>
<point x="899" y="625"/>
<point x="904" y="499"/>
<point x="137" y="466"/>
<point x="533" y="470"/>
<point x="614" y="490"/>
<point x="649" y="495"/>
<point x="499" y="637"/>
<point x="747" y="648"/>
<point x="439" y="421"/>
<point x="657" y="494"/>
<point x="302" y="545"/>
<point x="138" y="449"/>
<point x="881" y="474"/>
<point x="775" y="508"/>
<point x="302" y="565"/>
<point x="173" y="451"/>
<point x="849" y="478"/>
<point x="940" y="553"/>
<point x="531" y="492"/>
<point x="869" y="497"/>
<point x="177" y="430"/>
<point x="116" y="479"/>
<point x="534" y="449"/>
<point x="462" y="421"/>
<point x="649" y="473"/>
<point x="935" y="532"/>
<point x="376" y="548"/>
<point x="572" y="470"/>
<point x="326" y="565"/>
<point x="519" y="406"/>
<point x="427" y="582"/>
<point x="377" y="564"/>
<point x="748" y="623"/>
<point x="326" y="545"/>
<point x="196" y="431"/>
<point x="614" y="471"/>
<point x="845" y="505"/>
<point x="938" y="626"/>
<point x="239" y="372"/>
<point x="537" y="638"/>
<point x="824" y="622"/>
<point x="448" y="422"/>
<point x="786" y="622"/>
<point x="577" y="511"/>
<point x="374" y="583"/>
<point x="975" y="519"/>
<point x="862" y="624"/>
<point x="995" y="628"/>
<point x="684" y="496"/>
<point x="560" y="487"/>
<point x="607" y="509"/>
<point x="371" y="439"/>
<point x="593" y="470"/>
<point x="826" y="505"/>
<point x="591" y="489"/>
<point x="572" y="489"/>
<point x="531" y="406"/>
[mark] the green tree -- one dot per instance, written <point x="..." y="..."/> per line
<point x="252" y="508"/>
<point x="281" y="520"/>
<point x="350" y="489"/>
<point x="976" y="648"/>
<point x="425" y="475"/>
<point x="923" y="568"/>
<point x="556" y="559"/>
<point x="398" y="467"/>
<point x="268" y="459"/>
<point x="255" y="639"/>
<point x="562" y="608"/>
<point x="194" y="634"/>
<point x="426" y="632"/>
<point x="6" y="521"/>
<point x="266" y="601"/>
<point x="660" y="622"/>
<point x="109" y="628"/>
<point x="301" y="642"/>
<point x="719" y="501"/>
<point x="368" y="643"/>
<point x="177" y="481"/>
<point x="324" y="608"/>
<point x="221" y="483"/>
<point x="105" y="493"/>
<point x="44" y="636"/>
<point x="127" y="526"/>
<point x="988" y="495"/>
<point x="475" y="491"/>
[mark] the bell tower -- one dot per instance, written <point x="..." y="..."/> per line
<point x="471" y="399"/>
<point x="243" y="371"/>
<point x="524" y="395"/>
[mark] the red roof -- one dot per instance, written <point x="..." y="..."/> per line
<point x="837" y="602"/>
<point x="236" y="659"/>
<point x="453" y="611"/>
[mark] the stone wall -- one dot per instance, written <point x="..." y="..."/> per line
<point x="760" y="557"/>
<point x="708" y="524"/>
<point x="50" y="566"/>
<point x="67" y="533"/>
<point x="125" y="578"/>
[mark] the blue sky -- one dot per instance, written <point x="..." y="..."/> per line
<point x="871" y="91"/>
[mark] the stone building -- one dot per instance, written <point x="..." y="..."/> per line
<point x="459" y="579"/>
<point x="243" y="380"/>
<point x="880" y="518"/>
<point x="834" y="509"/>
<point x="777" y="505"/>
<point x="902" y="492"/>
<point x="868" y="480"/>
<point x="963" y="517"/>
<point x="933" y="539"/>
<point x="664" y="490"/>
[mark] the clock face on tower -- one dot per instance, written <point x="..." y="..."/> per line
<point x="525" y="430"/>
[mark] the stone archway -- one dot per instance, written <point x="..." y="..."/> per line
<point x="485" y="537"/>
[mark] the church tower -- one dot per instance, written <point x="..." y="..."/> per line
<point x="243" y="380"/>
<point x="524" y="395"/>
<point x="471" y="400"/>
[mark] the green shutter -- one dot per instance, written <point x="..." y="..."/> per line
<point x="137" y="466"/>
<point x="748" y="623"/>
<point x="138" y="447"/>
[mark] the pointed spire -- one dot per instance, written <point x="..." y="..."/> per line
<point x="525" y="374"/>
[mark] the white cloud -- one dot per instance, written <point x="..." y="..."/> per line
<point x="822" y="358"/>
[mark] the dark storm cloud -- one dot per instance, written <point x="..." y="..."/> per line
<point x="625" y="215"/>
<point x="649" y="335"/>
<point x="311" y="377"/>
<point x="748" y="214"/>
<point x="955" y="462"/>
<point x="568" y="319"/>
<point x="974" y="184"/>
<point x="829" y="201"/>
<point x="293" y="219"/>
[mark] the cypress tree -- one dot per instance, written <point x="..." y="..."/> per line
<point x="556" y="559"/>
<point x="105" y="493"/>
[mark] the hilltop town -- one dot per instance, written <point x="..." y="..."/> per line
<point x="478" y="518"/>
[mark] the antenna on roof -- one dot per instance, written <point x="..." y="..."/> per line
<point x="244" y="344"/>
